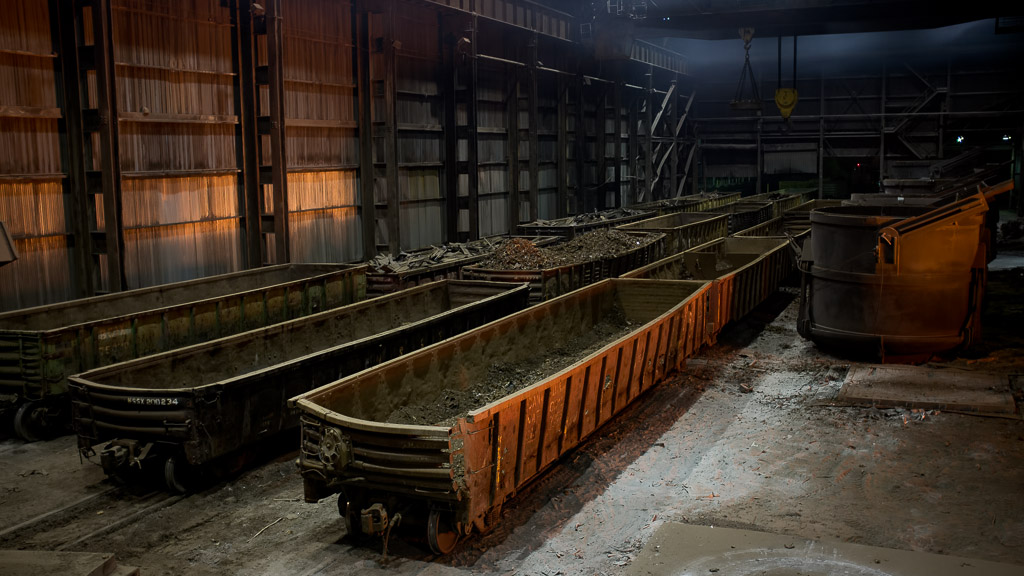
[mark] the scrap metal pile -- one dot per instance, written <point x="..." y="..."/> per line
<point x="590" y="217"/>
<point x="451" y="252"/>
<point x="521" y="254"/>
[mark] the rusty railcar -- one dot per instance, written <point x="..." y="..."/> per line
<point x="549" y="283"/>
<point x="385" y="282"/>
<point x="744" y="214"/>
<point x="785" y="199"/>
<point x="40" y="347"/>
<point x="195" y="407"/>
<point x="745" y="271"/>
<point x="455" y="475"/>
<point x="692" y="203"/>
<point x="795" y="223"/>
<point x="683" y="230"/>
<point x="569" y="227"/>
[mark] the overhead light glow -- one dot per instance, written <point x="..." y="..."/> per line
<point x="959" y="139"/>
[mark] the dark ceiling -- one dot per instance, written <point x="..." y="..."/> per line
<point x="721" y="19"/>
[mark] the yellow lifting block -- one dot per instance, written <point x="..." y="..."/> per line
<point x="785" y="99"/>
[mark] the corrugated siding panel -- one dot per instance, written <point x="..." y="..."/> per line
<point x="181" y="252"/>
<point x="791" y="162"/>
<point x="422" y="224"/>
<point x="324" y="223"/>
<point x="175" y="59"/>
<point x="33" y="211"/>
<point x="493" y="214"/>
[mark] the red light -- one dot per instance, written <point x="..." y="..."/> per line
<point x="858" y="164"/>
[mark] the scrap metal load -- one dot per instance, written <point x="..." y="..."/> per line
<point x="558" y="269"/>
<point x="388" y="273"/>
<point x="443" y="437"/>
<point x="692" y="203"/>
<point x="185" y="411"/>
<point x="896" y="282"/>
<point x="571" y="226"/>
<point x="40" y="347"/>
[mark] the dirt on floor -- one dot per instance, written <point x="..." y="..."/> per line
<point x="521" y="254"/>
<point x="748" y="436"/>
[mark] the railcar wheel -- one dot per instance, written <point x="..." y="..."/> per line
<point x="28" y="421"/>
<point x="441" y="535"/>
<point x="175" y="475"/>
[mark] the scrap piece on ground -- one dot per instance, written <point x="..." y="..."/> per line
<point x="37" y="563"/>
<point x="928" y="388"/>
<point x="681" y="549"/>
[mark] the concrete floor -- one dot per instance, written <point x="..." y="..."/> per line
<point x="748" y="437"/>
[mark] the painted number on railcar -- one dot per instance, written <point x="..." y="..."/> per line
<point x="142" y="401"/>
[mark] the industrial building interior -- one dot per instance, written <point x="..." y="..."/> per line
<point x="519" y="287"/>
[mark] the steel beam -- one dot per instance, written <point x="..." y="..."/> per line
<point x="617" y="141"/>
<point x="633" y="151"/>
<point x="68" y="85"/>
<point x="562" y="149"/>
<point x="278" y="164"/>
<point x="512" y="142"/>
<point x="108" y="156"/>
<point x="580" y="145"/>
<point x="472" y="137"/>
<point x="246" y="135"/>
<point x="534" y="124"/>
<point x="601" y="145"/>
<point x="451" y="135"/>
<point x="364" y="112"/>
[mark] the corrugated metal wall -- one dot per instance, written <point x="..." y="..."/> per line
<point x="177" y="123"/>
<point x="31" y="197"/>
<point x="419" y="116"/>
<point x="179" y="131"/>
<point x="322" y="144"/>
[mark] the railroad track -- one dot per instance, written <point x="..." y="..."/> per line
<point x="79" y="522"/>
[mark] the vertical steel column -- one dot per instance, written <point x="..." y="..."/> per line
<point x="601" y="145"/>
<point x="698" y="159"/>
<point x="760" y="157"/>
<point x="68" y="87"/>
<point x="364" y="113"/>
<point x="246" y="136"/>
<point x="633" y="150"/>
<point x="533" y="127"/>
<point x="278" y="165"/>
<point x="472" y="138"/>
<point x="391" y="134"/>
<point x="881" y="131"/>
<point x="109" y="153"/>
<point x="821" y="138"/>
<point x="617" y="139"/>
<point x="563" y="149"/>
<point x="580" y="145"/>
<point x="512" y="139"/>
<point x="674" y="147"/>
<point x="449" y="94"/>
<point x="648" y="141"/>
